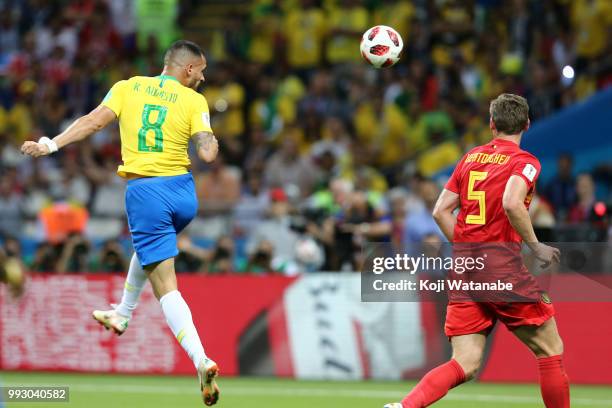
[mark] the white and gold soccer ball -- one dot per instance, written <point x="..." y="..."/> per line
<point x="381" y="46"/>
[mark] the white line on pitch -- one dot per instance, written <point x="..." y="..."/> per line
<point x="319" y="392"/>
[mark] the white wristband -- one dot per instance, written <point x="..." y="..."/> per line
<point x="49" y="143"/>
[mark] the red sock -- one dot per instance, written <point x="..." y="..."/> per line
<point x="554" y="383"/>
<point x="435" y="385"/>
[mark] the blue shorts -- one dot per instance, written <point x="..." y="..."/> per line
<point x="157" y="209"/>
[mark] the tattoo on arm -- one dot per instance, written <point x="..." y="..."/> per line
<point x="204" y="140"/>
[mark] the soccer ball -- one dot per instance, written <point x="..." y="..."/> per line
<point x="381" y="46"/>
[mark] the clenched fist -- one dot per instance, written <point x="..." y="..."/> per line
<point x="35" y="149"/>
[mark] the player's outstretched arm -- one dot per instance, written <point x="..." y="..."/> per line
<point x="207" y="146"/>
<point x="81" y="128"/>
<point x="513" y="202"/>
<point x="443" y="212"/>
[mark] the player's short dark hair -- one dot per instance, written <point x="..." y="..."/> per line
<point x="510" y="113"/>
<point x="184" y="46"/>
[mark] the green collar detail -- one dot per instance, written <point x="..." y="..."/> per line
<point x="165" y="77"/>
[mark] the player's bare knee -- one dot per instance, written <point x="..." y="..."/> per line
<point x="552" y="348"/>
<point x="560" y="347"/>
<point x="546" y="347"/>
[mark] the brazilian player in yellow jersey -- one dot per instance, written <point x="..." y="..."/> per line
<point x="157" y="118"/>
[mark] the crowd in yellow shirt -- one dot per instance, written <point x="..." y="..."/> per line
<point x="312" y="34"/>
<point x="397" y="114"/>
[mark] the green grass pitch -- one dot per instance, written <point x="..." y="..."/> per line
<point x="105" y="391"/>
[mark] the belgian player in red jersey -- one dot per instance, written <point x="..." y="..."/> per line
<point x="492" y="187"/>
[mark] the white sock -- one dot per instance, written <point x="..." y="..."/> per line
<point x="178" y="317"/>
<point x="135" y="281"/>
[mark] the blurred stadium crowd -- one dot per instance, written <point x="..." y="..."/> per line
<point x="319" y="152"/>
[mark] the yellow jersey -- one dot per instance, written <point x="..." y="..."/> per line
<point x="157" y="117"/>
<point x="305" y="31"/>
<point x="341" y="48"/>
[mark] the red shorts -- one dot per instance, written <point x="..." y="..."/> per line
<point x="474" y="317"/>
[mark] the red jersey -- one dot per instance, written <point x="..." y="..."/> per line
<point x="480" y="180"/>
